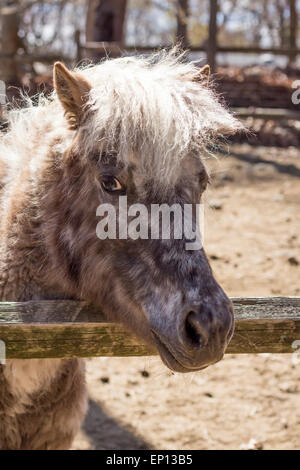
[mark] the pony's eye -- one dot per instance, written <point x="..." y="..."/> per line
<point x="111" y="184"/>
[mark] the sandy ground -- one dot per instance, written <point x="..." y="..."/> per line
<point x="252" y="237"/>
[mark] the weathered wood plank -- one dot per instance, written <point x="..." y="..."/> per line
<point x="66" y="328"/>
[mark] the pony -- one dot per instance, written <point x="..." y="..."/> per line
<point x="134" y="126"/>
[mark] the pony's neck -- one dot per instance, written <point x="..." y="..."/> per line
<point x="24" y="256"/>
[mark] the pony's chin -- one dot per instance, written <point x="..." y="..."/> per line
<point x="170" y="361"/>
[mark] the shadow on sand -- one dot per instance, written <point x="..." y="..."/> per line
<point x="105" y="433"/>
<point x="288" y="169"/>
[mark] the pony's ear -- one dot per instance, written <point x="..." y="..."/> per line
<point x="72" y="90"/>
<point x="203" y="74"/>
<point x="205" y="71"/>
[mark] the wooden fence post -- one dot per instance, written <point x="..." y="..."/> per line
<point x="105" y="24"/>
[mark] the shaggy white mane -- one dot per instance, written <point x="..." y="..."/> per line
<point x="157" y="107"/>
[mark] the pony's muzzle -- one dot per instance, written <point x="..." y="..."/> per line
<point x="203" y="333"/>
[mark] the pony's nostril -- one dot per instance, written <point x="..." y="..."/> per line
<point x="193" y="329"/>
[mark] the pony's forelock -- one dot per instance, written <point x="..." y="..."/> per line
<point x="158" y="107"/>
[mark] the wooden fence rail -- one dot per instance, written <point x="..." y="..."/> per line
<point x="67" y="328"/>
<point x="115" y="47"/>
<point x="273" y="114"/>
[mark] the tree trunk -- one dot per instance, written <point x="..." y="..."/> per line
<point x="182" y="22"/>
<point x="105" y="23"/>
<point x="280" y="10"/>
<point x="212" y="35"/>
<point x="10" y="43"/>
<point x="293" y="28"/>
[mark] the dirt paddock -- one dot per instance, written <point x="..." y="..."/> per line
<point x="252" y="238"/>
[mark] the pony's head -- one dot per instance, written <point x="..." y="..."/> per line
<point x="139" y="128"/>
